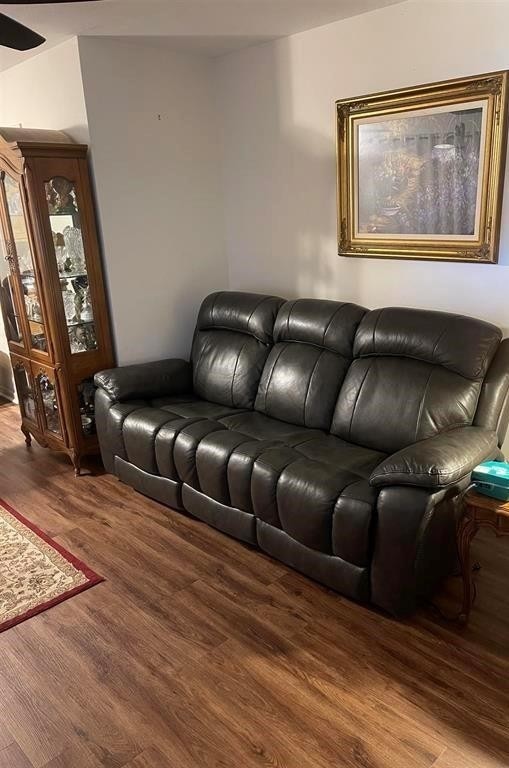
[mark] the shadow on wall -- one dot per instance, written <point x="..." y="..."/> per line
<point x="6" y="380"/>
<point x="310" y="213"/>
<point x="283" y="209"/>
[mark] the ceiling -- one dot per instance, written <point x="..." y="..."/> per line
<point x="213" y="27"/>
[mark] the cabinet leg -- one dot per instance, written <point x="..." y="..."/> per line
<point x="467" y="529"/>
<point x="28" y="437"/>
<point x="76" y="460"/>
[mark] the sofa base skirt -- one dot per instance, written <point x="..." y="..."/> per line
<point x="160" y="489"/>
<point x="234" y="522"/>
<point x="341" y="576"/>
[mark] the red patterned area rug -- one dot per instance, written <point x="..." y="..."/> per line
<point x="36" y="573"/>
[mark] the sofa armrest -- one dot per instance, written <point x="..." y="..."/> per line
<point x="146" y="380"/>
<point x="438" y="461"/>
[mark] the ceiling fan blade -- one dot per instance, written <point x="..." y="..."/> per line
<point x="17" y="36"/>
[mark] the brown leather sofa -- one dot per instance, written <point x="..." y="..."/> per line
<point x="334" y="438"/>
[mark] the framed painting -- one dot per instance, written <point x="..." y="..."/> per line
<point x="421" y="170"/>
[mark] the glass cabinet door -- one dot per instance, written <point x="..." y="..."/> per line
<point x="25" y="389"/>
<point x="65" y="222"/>
<point x="49" y="402"/>
<point x="8" y="296"/>
<point x="86" y="393"/>
<point x="22" y="254"/>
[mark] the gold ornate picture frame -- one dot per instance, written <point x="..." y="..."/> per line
<point x="420" y="171"/>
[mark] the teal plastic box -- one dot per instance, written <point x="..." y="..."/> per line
<point x="492" y="479"/>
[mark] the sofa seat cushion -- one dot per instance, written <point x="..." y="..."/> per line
<point x="110" y="418"/>
<point x="224" y="463"/>
<point x="139" y="430"/>
<point x="261" y="427"/>
<point x="320" y="505"/>
<point x="342" y="455"/>
<point x="220" y="464"/>
<point x="163" y="439"/>
<point x="312" y="486"/>
<point x="190" y="406"/>
<point x="176" y="444"/>
<point x="151" y="435"/>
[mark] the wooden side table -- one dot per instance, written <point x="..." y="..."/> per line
<point x="478" y="511"/>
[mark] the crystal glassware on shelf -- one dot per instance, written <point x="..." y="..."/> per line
<point x="77" y="340"/>
<point x="82" y="338"/>
<point x="60" y="252"/>
<point x="74" y="248"/>
<point x="87" y="313"/>
<point x="49" y="402"/>
<point x="68" y="297"/>
<point x="29" y="406"/>
<point x="34" y="309"/>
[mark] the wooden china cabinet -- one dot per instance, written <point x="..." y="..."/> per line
<point x="51" y="288"/>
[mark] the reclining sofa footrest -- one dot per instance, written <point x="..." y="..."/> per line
<point x="232" y="521"/>
<point x="351" y="580"/>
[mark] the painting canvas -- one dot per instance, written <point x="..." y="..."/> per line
<point x="421" y="174"/>
<point x="419" y="179"/>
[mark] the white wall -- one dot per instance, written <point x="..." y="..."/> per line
<point x="153" y="131"/>
<point x="44" y="92"/>
<point x="277" y="102"/>
<point x="151" y="121"/>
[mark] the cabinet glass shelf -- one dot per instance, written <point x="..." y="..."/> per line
<point x="74" y="323"/>
<point x="71" y="275"/>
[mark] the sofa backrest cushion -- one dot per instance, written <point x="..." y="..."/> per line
<point x="232" y="339"/>
<point x="313" y="348"/>
<point x="416" y="373"/>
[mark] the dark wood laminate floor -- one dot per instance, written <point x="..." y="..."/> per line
<point x="199" y="652"/>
